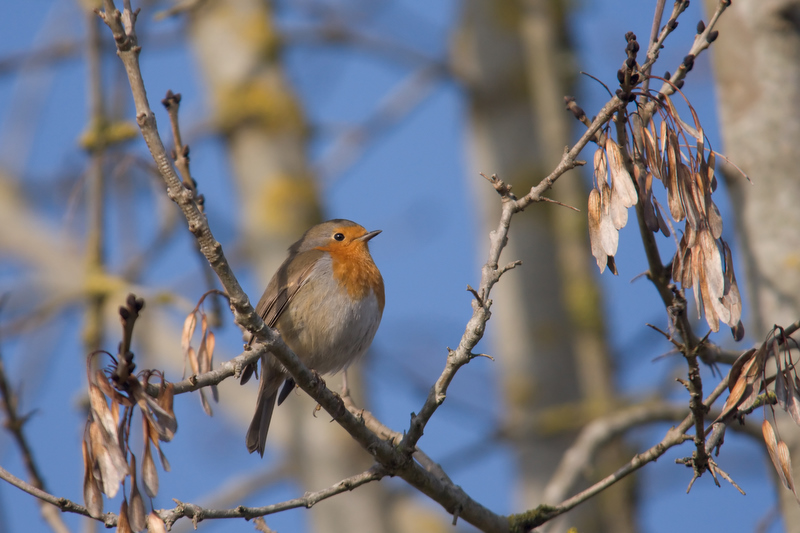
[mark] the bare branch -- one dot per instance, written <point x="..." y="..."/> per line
<point x="308" y="500"/>
<point x="596" y="435"/>
<point x="109" y="519"/>
<point x="550" y="200"/>
<point x="675" y="436"/>
<point x="490" y="274"/>
<point x="384" y="432"/>
<point x="657" y="16"/>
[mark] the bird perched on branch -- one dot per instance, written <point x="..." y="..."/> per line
<point x="326" y="300"/>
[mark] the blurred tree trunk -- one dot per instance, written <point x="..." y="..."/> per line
<point x="265" y="132"/>
<point x="757" y="68"/>
<point x="556" y="374"/>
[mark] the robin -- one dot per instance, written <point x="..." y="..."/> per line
<point x="326" y="300"/>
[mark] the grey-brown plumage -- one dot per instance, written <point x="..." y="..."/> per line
<point x="326" y="299"/>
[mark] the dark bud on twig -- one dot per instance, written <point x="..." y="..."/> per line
<point x="621" y="95"/>
<point x="630" y="36"/>
<point x="124" y="313"/>
<point x="630" y="62"/>
<point x="672" y="25"/>
<point x="634" y="78"/>
<point x="171" y="98"/>
<point x="185" y="152"/>
<point x="667" y="75"/>
<point x="679" y="84"/>
<point x="134" y="303"/>
<point x="576" y="110"/>
<point x="688" y="62"/>
<point x="712" y="36"/>
<point x="632" y="48"/>
<point x="620" y="76"/>
<point x="701" y="27"/>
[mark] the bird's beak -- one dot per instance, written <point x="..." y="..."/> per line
<point x="367" y="236"/>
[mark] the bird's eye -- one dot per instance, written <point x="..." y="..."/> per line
<point x="339" y="236"/>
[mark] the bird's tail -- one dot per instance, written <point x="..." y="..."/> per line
<point x="267" y="392"/>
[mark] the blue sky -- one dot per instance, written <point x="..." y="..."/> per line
<point x="412" y="183"/>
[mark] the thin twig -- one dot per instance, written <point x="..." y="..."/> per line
<point x="308" y="500"/>
<point x="701" y="43"/>
<point x="657" y="16"/>
<point x="550" y="200"/>
<point x="15" y="423"/>
<point x="180" y="154"/>
<point x="109" y="519"/>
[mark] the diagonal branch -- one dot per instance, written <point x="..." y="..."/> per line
<point x="675" y="436"/>
<point x="597" y="434"/>
<point x="109" y="519"/>
<point x="491" y="272"/>
<point x="450" y="496"/>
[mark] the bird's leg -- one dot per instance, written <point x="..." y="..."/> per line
<point x="345" y="386"/>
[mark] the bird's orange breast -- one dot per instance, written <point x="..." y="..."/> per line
<point x="354" y="268"/>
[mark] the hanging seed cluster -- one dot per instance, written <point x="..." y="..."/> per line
<point x="670" y="151"/>
<point x="107" y="456"/>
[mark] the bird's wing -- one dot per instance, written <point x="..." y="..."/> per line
<point x="290" y="277"/>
